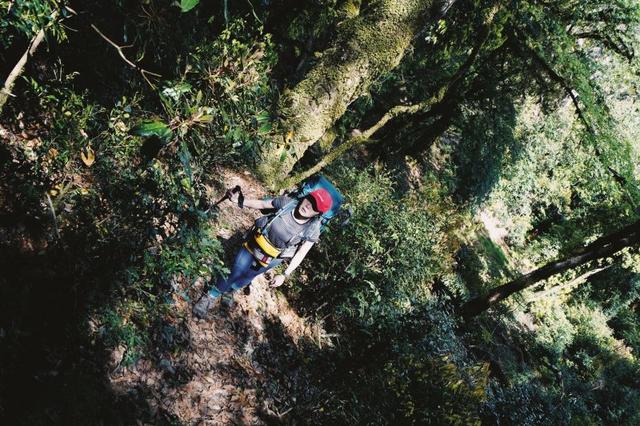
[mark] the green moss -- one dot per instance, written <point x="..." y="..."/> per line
<point x="367" y="47"/>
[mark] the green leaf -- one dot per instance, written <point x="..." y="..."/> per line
<point x="264" y="127"/>
<point x="207" y="118"/>
<point x="174" y="92"/>
<point x="262" y="116"/>
<point x="187" y="5"/>
<point x="185" y="159"/>
<point x="152" y="128"/>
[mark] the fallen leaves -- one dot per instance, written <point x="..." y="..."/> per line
<point x="288" y="137"/>
<point x="88" y="156"/>
<point x="57" y="189"/>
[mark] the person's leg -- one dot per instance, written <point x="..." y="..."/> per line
<point x="242" y="262"/>
<point x="252" y="273"/>
<point x="241" y="265"/>
<point x="243" y="272"/>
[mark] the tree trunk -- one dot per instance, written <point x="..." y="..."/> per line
<point x="366" y="47"/>
<point x="601" y="248"/>
<point x="427" y="135"/>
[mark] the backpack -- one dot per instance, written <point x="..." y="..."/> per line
<point x="317" y="182"/>
<point x="311" y="184"/>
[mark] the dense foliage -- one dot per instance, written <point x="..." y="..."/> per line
<point x="526" y="149"/>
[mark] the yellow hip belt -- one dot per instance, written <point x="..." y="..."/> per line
<point x="261" y="248"/>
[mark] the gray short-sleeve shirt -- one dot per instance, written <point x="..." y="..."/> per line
<point x="284" y="232"/>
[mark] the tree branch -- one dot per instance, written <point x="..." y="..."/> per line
<point x="119" y="48"/>
<point x="445" y="92"/>
<point x="620" y="48"/>
<point x="5" y="92"/>
<point x="576" y="103"/>
<point x="605" y="246"/>
<point x="356" y="139"/>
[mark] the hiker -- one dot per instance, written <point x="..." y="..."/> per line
<point x="289" y="233"/>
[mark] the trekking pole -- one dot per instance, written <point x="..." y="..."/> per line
<point x="227" y="195"/>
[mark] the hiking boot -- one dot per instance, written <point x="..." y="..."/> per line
<point x="203" y="306"/>
<point x="227" y="300"/>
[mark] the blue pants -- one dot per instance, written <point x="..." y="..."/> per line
<point x="245" y="269"/>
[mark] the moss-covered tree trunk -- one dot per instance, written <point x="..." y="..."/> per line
<point x="366" y="47"/>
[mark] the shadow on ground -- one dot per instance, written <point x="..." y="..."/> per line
<point x="50" y="370"/>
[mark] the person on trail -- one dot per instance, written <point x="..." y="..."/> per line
<point x="289" y="233"/>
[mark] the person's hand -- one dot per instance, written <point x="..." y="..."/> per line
<point x="278" y="280"/>
<point x="233" y="196"/>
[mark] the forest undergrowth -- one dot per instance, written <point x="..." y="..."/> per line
<point x="108" y="231"/>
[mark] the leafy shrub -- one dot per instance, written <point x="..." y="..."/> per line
<point x="397" y="344"/>
<point x="127" y="178"/>
<point x="25" y="18"/>
<point x="381" y="264"/>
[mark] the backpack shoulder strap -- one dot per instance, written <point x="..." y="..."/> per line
<point x="287" y="207"/>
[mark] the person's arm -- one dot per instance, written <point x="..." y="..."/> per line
<point x="258" y="204"/>
<point x="295" y="262"/>
<point x="253" y="204"/>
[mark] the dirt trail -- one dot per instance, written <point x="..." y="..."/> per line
<point x="243" y="365"/>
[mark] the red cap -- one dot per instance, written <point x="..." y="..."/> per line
<point x="322" y="200"/>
